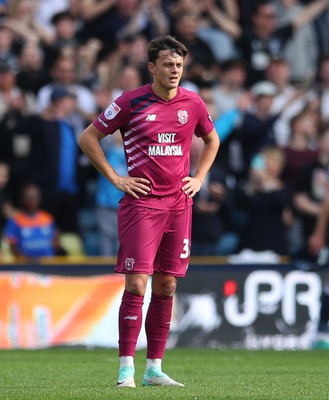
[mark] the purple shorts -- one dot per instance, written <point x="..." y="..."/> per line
<point x="153" y="240"/>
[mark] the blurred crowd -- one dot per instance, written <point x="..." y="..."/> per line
<point x="262" y="68"/>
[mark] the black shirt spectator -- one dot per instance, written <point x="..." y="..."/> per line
<point x="258" y="51"/>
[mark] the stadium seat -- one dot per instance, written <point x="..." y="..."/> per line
<point x="5" y="253"/>
<point x="72" y="243"/>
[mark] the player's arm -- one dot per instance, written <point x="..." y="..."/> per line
<point x="210" y="148"/>
<point x="89" y="143"/>
<point x="318" y="238"/>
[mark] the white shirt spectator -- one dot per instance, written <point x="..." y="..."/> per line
<point x="85" y="98"/>
<point x="46" y="9"/>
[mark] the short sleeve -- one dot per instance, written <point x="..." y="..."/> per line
<point x="114" y="117"/>
<point x="205" y="124"/>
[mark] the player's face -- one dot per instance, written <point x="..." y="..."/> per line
<point x="167" y="70"/>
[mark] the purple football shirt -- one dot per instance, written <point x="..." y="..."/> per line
<point x="157" y="137"/>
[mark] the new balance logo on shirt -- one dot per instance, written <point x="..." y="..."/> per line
<point x="131" y="317"/>
<point x="151" y="117"/>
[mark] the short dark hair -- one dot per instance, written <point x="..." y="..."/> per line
<point x="61" y="15"/>
<point x="296" y="118"/>
<point x="324" y="58"/>
<point x="166" y="42"/>
<point x="232" y="63"/>
<point x="258" y="4"/>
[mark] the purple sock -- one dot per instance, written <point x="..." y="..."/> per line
<point x="157" y="325"/>
<point x="130" y="322"/>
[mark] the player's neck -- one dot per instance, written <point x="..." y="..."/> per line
<point x="163" y="93"/>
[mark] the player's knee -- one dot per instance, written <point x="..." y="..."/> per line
<point x="165" y="287"/>
<point x="171" y="288"/>
<point x="136" y="285"/>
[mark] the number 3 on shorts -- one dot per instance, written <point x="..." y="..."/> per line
<point x="186" y="249"/>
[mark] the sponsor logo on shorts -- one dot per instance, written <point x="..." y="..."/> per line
<point x="182" y="116"/>
<point x="129" y="264"/>
<point x="112" y="110"/>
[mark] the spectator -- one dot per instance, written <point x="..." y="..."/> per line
<point x="129" y="78"/>
<point x="5" y="196"/>
<point x="21" y="21"/>
<point x="214" y="27"/>
<point x="248" y="128"/>
<point x="115" y="19"/>
<point x="245" y="10"/>
<point x="32" y="73"/>
<point x="63" y="73"/>
<point x="266" y="200"/>
<point x="15" y="108"/>
<point x="302" y="148"/>
<point x="45" y="10"/>
<point x="230" y="85"/>
<point x="323" y="89"/>
<point x="289" y="98"/>
<point x="311" y="186"/>
<point x="129" y="52"/>
<point x="302" y="63"/>
<point x="86" y="61"/>
<point x="200" y="62"/>
<point x="211" y="211"/>
<point x="7" y="46"/>
<point x="96" y="17"/>
<point x="11" y="97"/>
<point x="111" y="60"/>
<point x="54" y="149"/>
<point x="149" y="20"/>
<point x="108" y="198"/>
<point x="265" y="39"/>
<point x="102" y="96"/>
<point x="56" y="30"/>
<point x="321" y="25"/>
<point x="207" y="96"/>
<point x="64" y="42"/>
<point x="137" y="56"/>
<point x="226" y="125"/>
<point x="31" y="232"/>
<point x="3" y="8"/>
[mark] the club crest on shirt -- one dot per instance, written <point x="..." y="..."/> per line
<point x="182" y="116"/>
<point x="112" y="110"/>
<point x="129" y="263"/>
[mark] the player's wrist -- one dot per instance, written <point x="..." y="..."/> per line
<point x="115" y="180"/>
<point x="199" y="179"/>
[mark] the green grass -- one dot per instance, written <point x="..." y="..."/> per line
<point x="208" y="374"/>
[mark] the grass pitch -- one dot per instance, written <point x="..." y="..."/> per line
<point x="208" y="374"/>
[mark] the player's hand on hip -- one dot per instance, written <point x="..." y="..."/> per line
<point x="134" y="186"/>
<point x="191" y="186"/>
